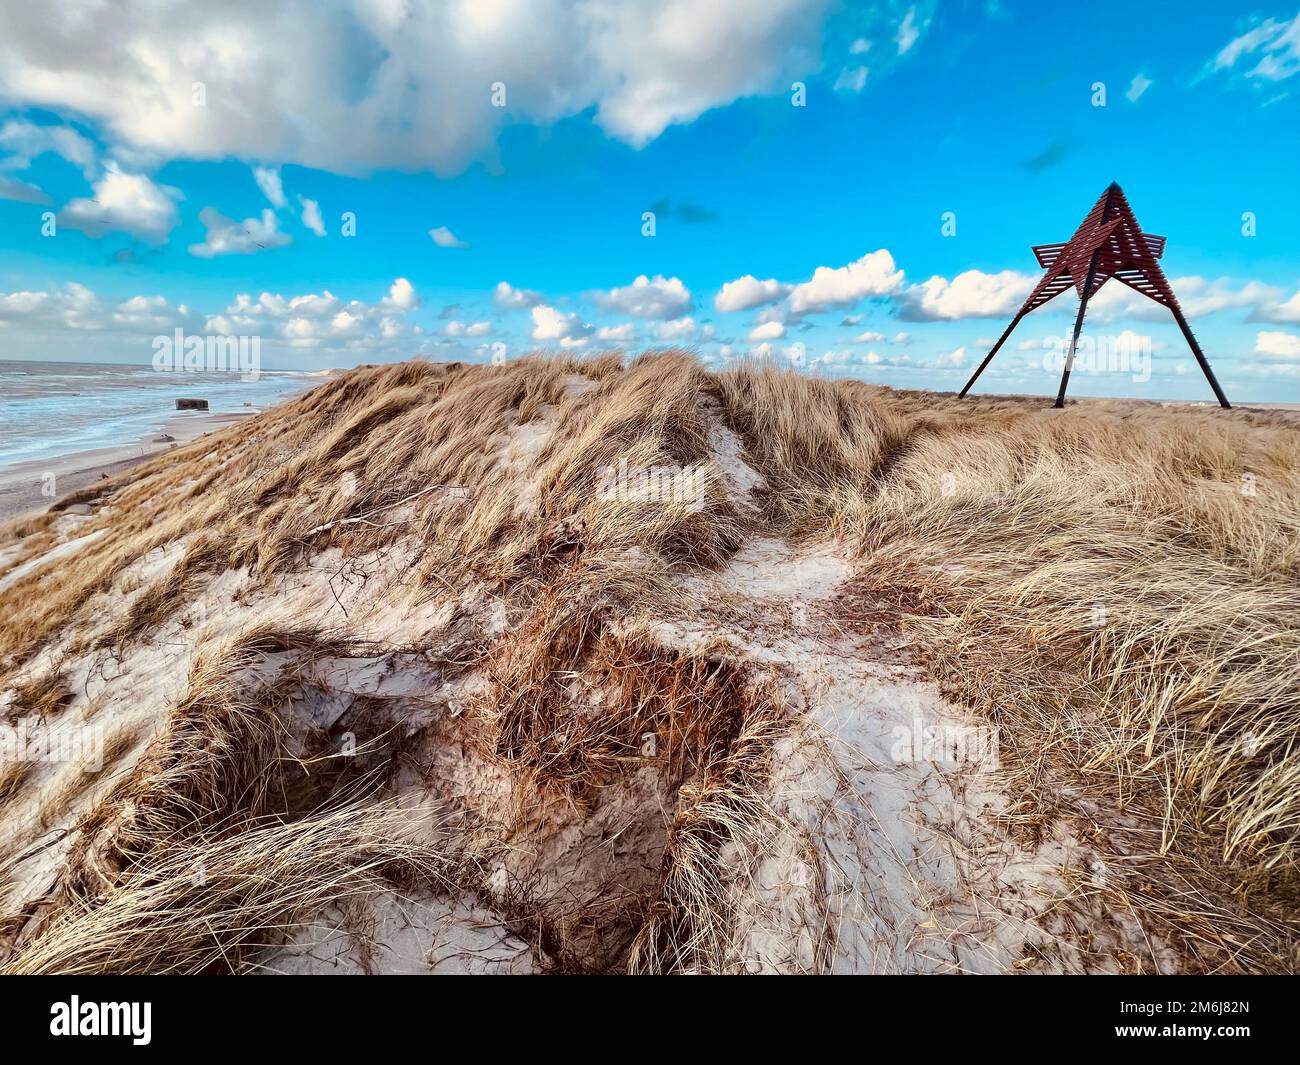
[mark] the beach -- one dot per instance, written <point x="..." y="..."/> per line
<point x="65" y="425"/>
<point x="31" y="487"/>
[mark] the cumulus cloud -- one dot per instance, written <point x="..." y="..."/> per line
<point x="748" y="292"/>
<point x="617" y="334"/>
<point x="445" y="238"/>
<point x="550" y="324"/>
<point x="767" y="331"/>
<point x="321" y="320"/>
<point x="797" y="353"/>
<point x="945" y="361"/>
<point x="660" y="297"/>
<point x="872" y="275"/>
<point x="1274" y="344"/>
<point x="361" y="84"/>
<point x="1277" y="310"/>
<point x="1198" y="296"/>
<point x="311" y="216"/>
<point x="836" y="358"/>
<point x="467" y="329"/>
<point x="971" y="294"/>
<point x="76" y="307"/>
<point x="71" y="306"/>
<point x="225" y="236"/>
<point x="150" y="314"/>
<point x="401" y="296"/>
<point x="268" y="180"/>
<point x="678" y="330"/>
<point x="125" y="203"/>
<point x="22" y="141"/>
<point x="507" y="296"/>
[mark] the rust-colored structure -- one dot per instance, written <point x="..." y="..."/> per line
<point x="1108" y="243"/>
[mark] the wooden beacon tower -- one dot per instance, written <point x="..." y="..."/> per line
<point x="1108" y="243"/>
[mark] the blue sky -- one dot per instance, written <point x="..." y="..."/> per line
<point x="193" y="169"/>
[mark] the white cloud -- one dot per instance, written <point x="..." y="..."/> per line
<point x="401" y="296"/>
<point x="1277" y="310"/>
<point x="1275" y="47"/>
<point x="836" y="358"/>
<point x="767" y="331"/>
<point x="505" y="295"/>
<point x="467" y="329"/>
<point x="246" y="311"/>
<point x="851" y="79"/>
<point x="552" y="324"/>
<point x="127" y="203"/>
<point x="869" y="338"/>
<point x="1274" y="344"/>
<point x="445" y="238"/>
<point x="76" y="307"/>
<point x="617" y="334"/>
<point x="945" y="361"/>
<point x="659" y="297"/>
<point x="319" y="322"/>
<point x="748" y="292"/>
<point x="147" y="313"/>
<point x="1198" y="296"/>
<point x="672" y="60"/>
<point x="796" y="353"/>
<point x="268" y="180"/>
<point x="679" y="329"/>
<point x="311" y="217"/>
<point x="360" y="85"/>
<point x="22" y="191"/>
<point x="1137" y="87"/>
<point x="322" y="320"/>
<point x="908" y="33"/>
<point x="225" y="236"/>
<point x="872" y="275"/>
<point x="72" y="307"/>
<point x="971" y="294"/>
<point x="23" y="141"/>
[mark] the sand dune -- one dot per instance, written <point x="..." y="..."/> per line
<point x="604" y="666"/>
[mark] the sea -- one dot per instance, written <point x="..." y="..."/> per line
<point x="48" y="409"/>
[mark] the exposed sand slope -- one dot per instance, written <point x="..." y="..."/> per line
<point x="481" y="706"/>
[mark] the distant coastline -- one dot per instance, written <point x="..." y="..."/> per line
<point x="51" y="410"/>
<point x="64" y="426"/>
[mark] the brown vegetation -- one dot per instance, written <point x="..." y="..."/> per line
<point x="1115" y="586"/>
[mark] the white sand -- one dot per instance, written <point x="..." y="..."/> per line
<point x="875" y="862"/>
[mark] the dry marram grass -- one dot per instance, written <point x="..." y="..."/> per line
<point x="1113" y="586"/>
